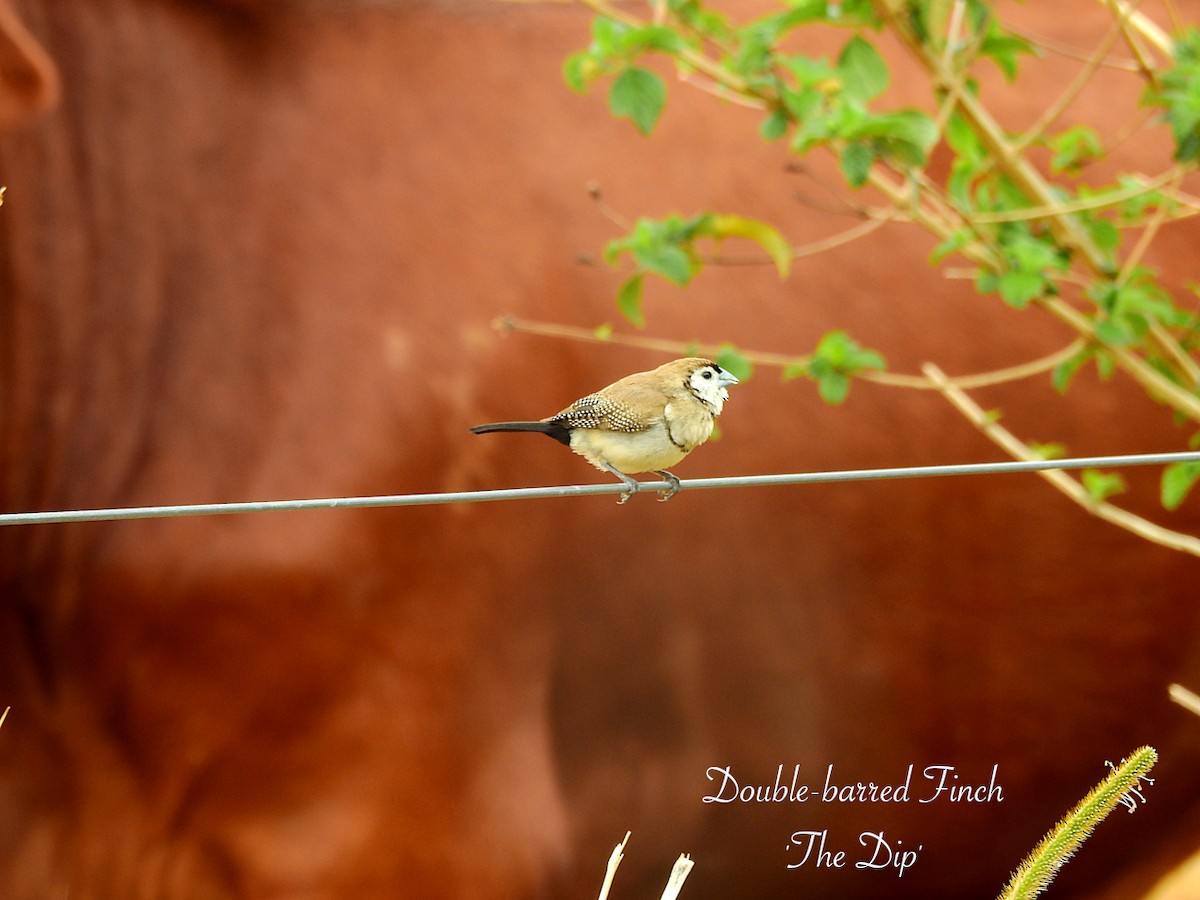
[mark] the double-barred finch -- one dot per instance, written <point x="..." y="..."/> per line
<point x="643" y="423"/>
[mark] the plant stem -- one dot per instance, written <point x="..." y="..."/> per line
<point x="1077" y="493"/>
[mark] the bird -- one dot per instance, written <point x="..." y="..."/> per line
<point x="644" y="422"/>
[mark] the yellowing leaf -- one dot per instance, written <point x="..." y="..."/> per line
<point x="766" y="236"/>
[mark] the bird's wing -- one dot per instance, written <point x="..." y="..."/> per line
<point x="631" y="408"/>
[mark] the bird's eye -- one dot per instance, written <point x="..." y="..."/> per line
<point x="708" y="373"/>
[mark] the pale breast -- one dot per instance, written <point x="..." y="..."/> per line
<point x="690" y="423"/>
<point x="642" y="451"/>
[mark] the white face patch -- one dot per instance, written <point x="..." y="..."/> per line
<point x="709" y="386"/>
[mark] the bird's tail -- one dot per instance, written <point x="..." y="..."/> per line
<point x="555" y="430"/>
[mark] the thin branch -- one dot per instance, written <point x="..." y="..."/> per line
<point x="679" y="874"/>
<point x="1149" y="232"/>
<point x="1059" y="208"/>
<point x="698" y="61"/>
<point x="1185" y="698"/>
<point x="611" y="870"/>
<point x="1184" y="364"/>
<point x="607" y="211"/>
<point x="656" y="345"/>
<point x="1125" y="13"/>
<point x="1184" y="402"/>
<point x="1075" y="491"/>
<point x="1073" y="90"/>
<point x="1029" y="369"/>
<point x="1052" y="46"/>
<point x="1173" y="15"/>
<point x="953" y="31"/>
<point x="834" y="240"/>
<point x="718" y="89"/>
<point x="1143" y="25"/>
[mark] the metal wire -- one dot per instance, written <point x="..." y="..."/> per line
<point x="575" y="490"/>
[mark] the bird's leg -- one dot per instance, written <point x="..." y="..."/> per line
<point x="632" y="485"/>
<point x="671" y="480"/>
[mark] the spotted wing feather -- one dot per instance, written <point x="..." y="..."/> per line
<point x="603" y="413"/>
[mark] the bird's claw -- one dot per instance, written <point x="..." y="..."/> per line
<point x="631" y="487"/>
<point x="671" y="491"/>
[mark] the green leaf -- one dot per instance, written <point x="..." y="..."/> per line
<point x="1178" y="93"/>
<point x="651" y="37"/>
<point x="725" y="226"/>
<point x="836" y="358"/>
<point x="963" y="139"/>
<point x="638" y="94"/>
<point x="905" y="135"/>
<point x="581" y="69"/>
<point x="1105" y="235"/>
<point x="1115" y="333"/>
<point x="1177" y="480"/>
<point x="775" y="125"/>
<point x="1018" y="288"/>
<point x="606" y="36"/>
<point x="956" y="241"/>
<point x="986" y="282"/>
<point x="1047" y="451"/>
<point x="1102" y="485"/>
<point x="797" y="369"/>
<point x="668" y="260"/>
<point x="629" y="301"/>
<point x="734" y="361"/>
<point x="833" y="387"/>
<point x="1030" y="253"/>
<point x="856" y="162"/>
<point x="1065" y="371"/>
<point x="863" y="73"/>
<point x="1075" y="148"/>
<point x="1003" y="48"/>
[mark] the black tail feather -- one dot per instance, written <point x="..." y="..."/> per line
<point x="556" y="430"/>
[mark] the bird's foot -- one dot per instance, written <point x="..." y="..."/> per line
<point x="632" y="486"/>
<point x="674" y="483"/>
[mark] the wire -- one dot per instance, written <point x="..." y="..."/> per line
<point x="576" y="490"/>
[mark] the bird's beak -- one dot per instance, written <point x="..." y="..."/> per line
<point x="725" y="379"/>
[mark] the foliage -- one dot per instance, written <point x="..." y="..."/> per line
<point x="1070" y="249"/>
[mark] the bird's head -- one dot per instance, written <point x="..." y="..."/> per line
<point x="708" y="382"/>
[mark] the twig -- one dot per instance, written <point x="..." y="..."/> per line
<point x="991" y="378"/>
<point x="605" y="210"/>
<point x="1183" y="362"/>
<point x="1144" y="25"/>
<point x="1124" y="65"/>
<point x="610" y="872"/>
<point x="1075" y="491"/>
<point x="695" y="59"/>
<point x="1185" y="698"/>
<point x="834" y="240"/>
<point x="1073" y="90"/>
<point x="1066" y="207"/>
<point x="679" y="874"/>
<point x="718" y="89"/>
<point x="1125" y="13"/>
<point x="953" y="31"/>
<point x="1180" y="399"/>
